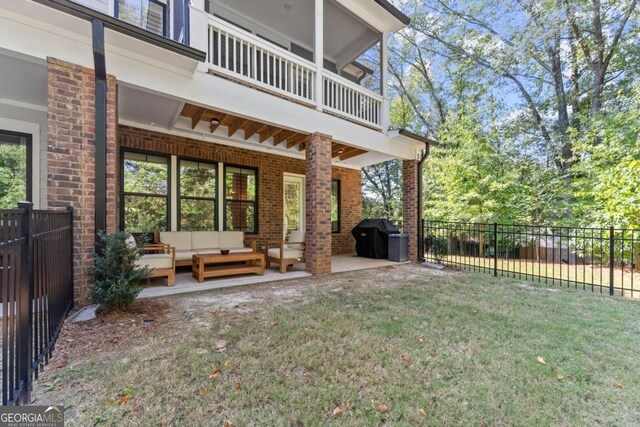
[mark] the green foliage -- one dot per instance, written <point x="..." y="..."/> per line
<point x="13" y="175"/>
<point x="607" y="169"/>
<point x="117" y="278"/>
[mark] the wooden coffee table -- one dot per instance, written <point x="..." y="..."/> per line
<point x="214" y="265"/>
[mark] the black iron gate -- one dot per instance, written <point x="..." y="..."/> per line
<point x="36" y="292"/>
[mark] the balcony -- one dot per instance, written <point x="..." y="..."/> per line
<point x="242" y="56"/>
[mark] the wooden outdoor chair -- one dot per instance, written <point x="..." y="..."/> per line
<point x="286" y="253"/>
<point x="160" y="258"/>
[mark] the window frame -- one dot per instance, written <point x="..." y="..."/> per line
<point x="29" y="157"/>
<point x="122" y="193"/>
<point x="165" y="16"/>
<point x="216" y="219"/>
<point x="256" y="220"/>
<point x="338" y="201"/>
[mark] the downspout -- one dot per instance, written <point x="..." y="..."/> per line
<point x="100" y="129"/>
<point x="420" y="227"/>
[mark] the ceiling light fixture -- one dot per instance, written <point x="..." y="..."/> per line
<point x="341" y="151"/>
<point x="214" y="122"/>
<point x="288" y="6"/>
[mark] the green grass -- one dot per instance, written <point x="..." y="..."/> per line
<point x="472" y="341"/>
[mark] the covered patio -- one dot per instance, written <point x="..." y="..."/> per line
<point x="185" y="282"/>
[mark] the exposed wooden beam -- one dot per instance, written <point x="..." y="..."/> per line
<point x="295" y="140"/>
<point x="282" y="136"/>
<point x="256" y="128"/>
<point x="197" y="117"/>
<point x="355" y="153"/>
<point x="268" y="133"/>
<point x="233" y="128"/>
<point x="221" y="119"/>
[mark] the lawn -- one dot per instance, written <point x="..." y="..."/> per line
<point x="397" y="346"/>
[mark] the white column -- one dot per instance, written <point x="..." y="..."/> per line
<point x="220" y="197"/>
<point x="173" y="196"/>
<point x="384" y="81"/>
<point x="198" y="25"/>
<point x="318" y="50"/>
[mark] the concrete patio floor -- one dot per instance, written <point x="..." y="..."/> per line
<point x="185" y="282"/>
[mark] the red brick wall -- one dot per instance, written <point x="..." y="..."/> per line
<point x="318" y="211"/>
<point x="71" y="157"/>
<point x="410" y="205"/>
<point x="270" y="179"/>
<point x="350" y="209"/>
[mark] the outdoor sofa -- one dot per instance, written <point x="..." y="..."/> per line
<point x="190" y="243"/>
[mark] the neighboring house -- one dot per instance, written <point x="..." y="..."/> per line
<point x="218" y="114"/>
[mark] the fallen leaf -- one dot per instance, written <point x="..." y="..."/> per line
<point x="432" y="354"/>
<point x="420" y="339"/>
<point x="382" y="407"/>
<point x="541" y="360"/>
<point x="560" y="377"/>
<point x="615" y="320"/>
<point x="337" y="411"/>
<point x="228" y="423"/>
<point x="422" y="412"/>
<point x="474" y="312"/>
<point x="226" y="363"/>
<point x="220" y="350"/>
<point x="213" y="374"/>
<point x="204" y="392"/>
<point x="125" y="399"/>
<point x="406" y="360"/>
<point x="237" y="386"/>
<point x="109" y="402"/>
<point x="618" y="386"/>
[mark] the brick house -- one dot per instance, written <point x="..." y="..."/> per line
<point x="275" y="105"/>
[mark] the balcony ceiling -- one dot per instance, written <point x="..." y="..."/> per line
<point x="277" y="135"/>
<point x="345" y="35"/>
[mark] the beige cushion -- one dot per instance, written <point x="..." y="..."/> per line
<point x="182" y="255"/>
<point x="231" y="239"/>
<point x="240" y="250"/>
<point x="181" y="240"/>
<point x="288" y="253"/>
<point x="155" y="261"/>
<point x="209" y="251"/>
<point x="204" y="240"/>
<point x="296" y="236"/>
<point x="131" y="242"/>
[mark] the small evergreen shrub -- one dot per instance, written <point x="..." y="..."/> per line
<point x="116" y="276"/>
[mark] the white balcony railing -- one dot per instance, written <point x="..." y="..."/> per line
<point x="347" y="99"/>
<point x="241" y="55"/>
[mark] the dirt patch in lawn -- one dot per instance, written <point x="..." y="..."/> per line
<point x="109" y="332"/>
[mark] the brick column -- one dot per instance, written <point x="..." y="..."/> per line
<point x="71" y="157"/>
<point x="318" y="204"/>
<point x="410" y="205"/>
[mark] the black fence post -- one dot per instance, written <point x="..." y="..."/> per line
<point x="612" y="260"/>
<point x="25" y="306"/>
<point x="71" y="243"/>
<point x="495" y="249"/>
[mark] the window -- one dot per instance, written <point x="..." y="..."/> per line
<point x="145" y="192"/>
<point x="240" y="191"/>
<point x="335" y="206"/>
<point x="15" y="169"/>
<point x="197" y="195"/>
<point x="147" y="14"/>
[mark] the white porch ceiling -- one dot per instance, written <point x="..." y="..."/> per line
<point x="23" y="81"/>
<point x="345" y="35"/>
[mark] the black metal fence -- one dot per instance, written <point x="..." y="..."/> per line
<point x="599" y="259"/>
<point x="36" y="292"/>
